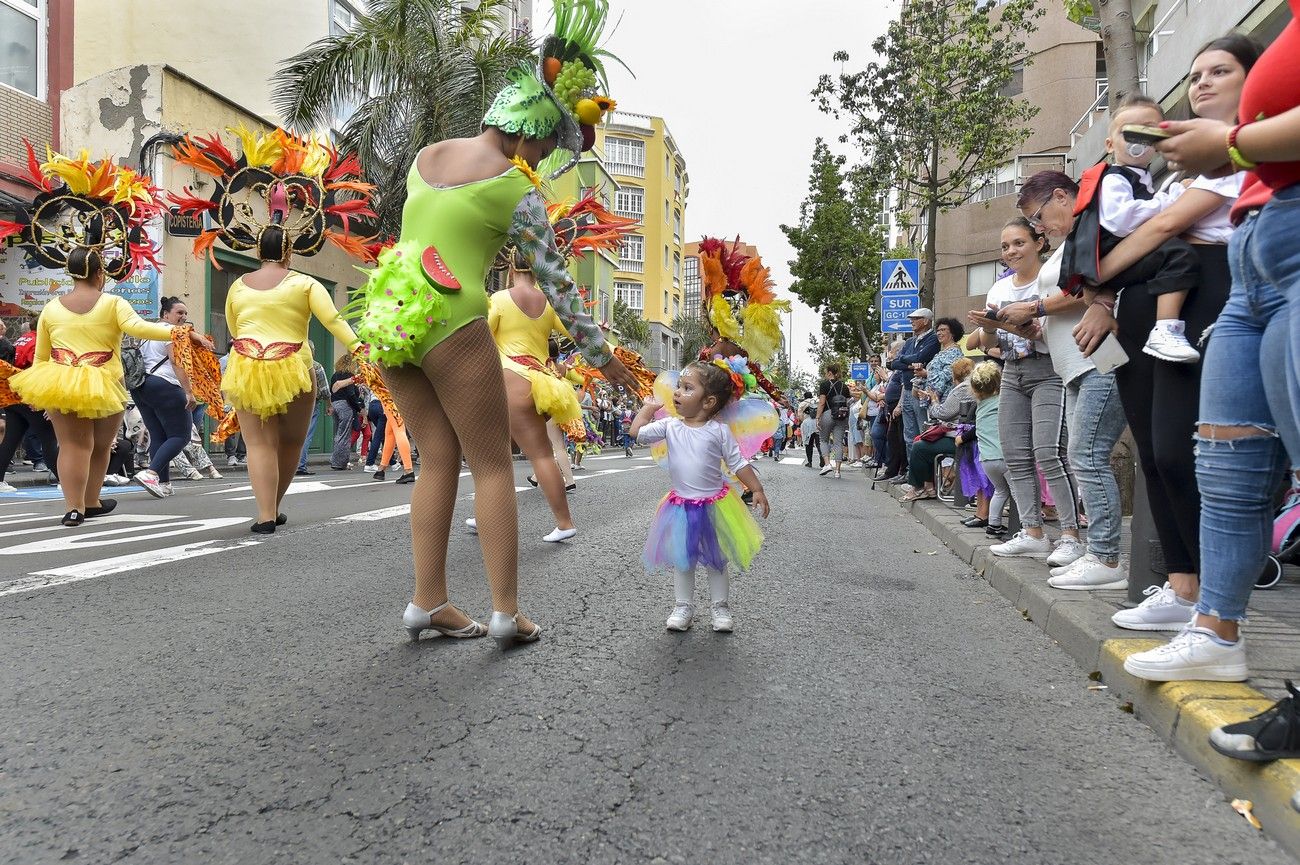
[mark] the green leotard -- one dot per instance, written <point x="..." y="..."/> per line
<point x="405" y="314"/>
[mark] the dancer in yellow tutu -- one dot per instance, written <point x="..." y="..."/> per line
<point x="89" y="219"/>
<point x="297" y="184"/>
<point x="522" y="321"/>
<point x="702" y="520"/>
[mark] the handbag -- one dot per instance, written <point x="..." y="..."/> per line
<point x="933" y="434"/>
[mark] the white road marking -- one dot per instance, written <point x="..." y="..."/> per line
<point x="98" y="521"/>
<point x="80" y="540"/>
<point x="373" y="516"/>
<point x="104" y="567"/>
<point x="298" y="489"/>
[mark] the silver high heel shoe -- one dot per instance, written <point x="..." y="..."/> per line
<point x="505" y="630"/>
<point x="418" y="620"/>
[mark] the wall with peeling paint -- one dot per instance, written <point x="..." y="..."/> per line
<point x="234" y="48"/>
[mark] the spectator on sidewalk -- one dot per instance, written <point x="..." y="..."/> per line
<point x="346" y="401"/>
<point x="1031" y="411"/>
<point x="895" y="470"/>
<point x="1246" y="434"/>
<point x="939" y="437"/>
<point x="915" y="354"/>
<point x="985" y="386"/>
<point x="937" y="376"/>
<point x="166" y="402"/>
<point x="808" y="430"/>
<point x="21" y="420"/>
<point x="321" y="403"/>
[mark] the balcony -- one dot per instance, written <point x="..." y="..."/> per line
<point x="630" y="214"/>
<point x="626" y="169"/>
<point x="627" y="265"/>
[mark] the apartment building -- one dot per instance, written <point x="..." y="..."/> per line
<point x="653" y="186"/>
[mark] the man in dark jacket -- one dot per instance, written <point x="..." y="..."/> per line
<point x="917" y="352"/>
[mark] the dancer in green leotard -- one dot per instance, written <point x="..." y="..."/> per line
<point x="424" y="311"/>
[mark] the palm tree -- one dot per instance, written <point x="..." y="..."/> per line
<point x="694" y="334"/>
<point x="632" y="328"/>
<point x="412" y="72"/>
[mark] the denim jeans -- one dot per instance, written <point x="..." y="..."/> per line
<point x="311" y="430"/>
<point x="1031" y="425"/>
<point x="379" y="426"/>
<point x="914" y="417"/>
<point x="162" y="408"/>
<point x="1243" y="384"/>
<point x="880" y="437"/>
<point x="1096" y="421"/>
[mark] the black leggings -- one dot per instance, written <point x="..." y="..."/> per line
<point x="18" y="420"/>
<point x="121" y="458"/>
<point x="1161" y="402"/>
<point x="814" y="441"/>
<point x="897" y="448"/>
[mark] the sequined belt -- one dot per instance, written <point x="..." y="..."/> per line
<point x="527" y="360"/>
<point x="251" y="348"/>
<point x="68" y="357"/>
<point x="675" y="499"/>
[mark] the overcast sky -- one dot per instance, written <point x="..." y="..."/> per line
<point x="732" y="79"/>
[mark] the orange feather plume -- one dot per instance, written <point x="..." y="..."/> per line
<point x="757" y="280"/>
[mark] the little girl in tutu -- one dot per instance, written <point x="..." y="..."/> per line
<point x="702" y="520"/>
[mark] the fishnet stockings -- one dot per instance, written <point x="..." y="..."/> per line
<point x="456" y="395"/>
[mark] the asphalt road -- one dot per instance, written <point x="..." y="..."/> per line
<point x="174" y="691"/>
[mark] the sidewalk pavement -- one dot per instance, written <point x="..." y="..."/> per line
<point x="1182" y="713"/>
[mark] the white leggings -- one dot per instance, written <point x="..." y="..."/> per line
<point x="684" y="583"/>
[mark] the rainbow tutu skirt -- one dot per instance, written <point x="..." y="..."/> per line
<point x="713" y="532"/>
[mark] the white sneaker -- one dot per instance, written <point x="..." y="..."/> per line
<point x="1163" y="610"/>
<point x="213" y="473"/>
<point x="557" y="534"/>
<point x="7" y="488"/>
<point x="1089" y="573"/>
<point x="1068" y="551"/>
<point x="116" y="480"/>
<point x="680" y="618"/>
<point x="232" y="461"/>
<point x="371" y="469"/>
<point x="1167" y="342"/>
<point x="722" y="620"/>
<point x="1195" y="654"/>
<point x="472" y="525"/>
<point x="154" y="487"/>
<point x="827" y="469"/>
<point x="1021" y="544"/>
<point x="194" y="475"/>
<point x="166" y="488"/>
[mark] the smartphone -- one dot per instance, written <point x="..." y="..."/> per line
<point x="1136" y="133"/>
<point x="1109" y="356"/>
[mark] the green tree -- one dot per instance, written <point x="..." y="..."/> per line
<point x="694" y="334"/>
<point x="935" y="114"/>
<point x="823" y="351"/>
<point x="1113" y="19"/>
<point x="412" y="72"/>
<point x="837" y="246"/>
<point x="632" y="328"/>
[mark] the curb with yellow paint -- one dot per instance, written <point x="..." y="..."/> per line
<point x="1182" y="713"/>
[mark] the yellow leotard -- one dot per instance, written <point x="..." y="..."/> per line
<point x="78" y="367"/>
<point x="270" y="362"/>
<point x="518" y="336"/>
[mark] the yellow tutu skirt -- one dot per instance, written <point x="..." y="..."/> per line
<point x="84" y="391"/>
<point x="266" y="387"/>
<point x="553" y="397"/>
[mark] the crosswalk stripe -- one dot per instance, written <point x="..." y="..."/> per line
<point x="104" y="567"/>
<point x="373" y="516"/>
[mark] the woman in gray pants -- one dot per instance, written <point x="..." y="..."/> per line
<point x="345" y="400"/>
<point x="1031" y="412"/>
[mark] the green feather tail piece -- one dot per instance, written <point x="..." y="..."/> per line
<point x="397" y="307"/>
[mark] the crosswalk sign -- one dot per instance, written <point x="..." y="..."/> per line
<point x="900" y="293"/>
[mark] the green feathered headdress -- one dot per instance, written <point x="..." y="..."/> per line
<point x="565" y="95"/>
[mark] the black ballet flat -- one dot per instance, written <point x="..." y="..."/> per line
<point x="532" y="481"/>
<point x="408" y="478"/>
<point x="73" y="518"/>
<point x="106" y="506"/>
<point x="266" y="528"/>
<point x="974" y="523"/>
<point x="281" y="519"/>
<point x="570" y="488"/>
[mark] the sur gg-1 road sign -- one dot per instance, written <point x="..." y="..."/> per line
<point x="900" y="293"/>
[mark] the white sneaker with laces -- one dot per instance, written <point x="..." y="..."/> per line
<point x="166" y="488"/>
<point x="7" y="488"/>
<point x="1021" y="544"/>
<point x="1089" y="573"/>
<point x="1195" y="654"/>
<point x="148" y="479"/>
<point x="1163" y="610"/>
<point x="232" y="461"/>
<point x="722" y="619"/>
<point x="371" y="469"/>
<point x="1068" y="551"/>
<point x="826" y="469"/>
<point x="680" y="618"/>
<point x="1168" y="342"/>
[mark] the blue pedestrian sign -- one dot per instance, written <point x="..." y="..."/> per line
<point x="900" y="293"/>
<point x="859" y="371"/>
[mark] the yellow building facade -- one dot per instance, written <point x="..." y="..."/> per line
<point x="653" y="185"/>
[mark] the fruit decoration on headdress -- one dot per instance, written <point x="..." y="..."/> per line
<point x="86" y="205"/>
<point x="310" y="191"/>
<point x="566" y="95"/>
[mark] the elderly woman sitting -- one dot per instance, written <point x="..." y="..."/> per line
<point x="940" y="438"/>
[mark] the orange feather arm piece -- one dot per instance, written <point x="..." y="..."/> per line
<point x="7" y="396"/>
<point x="374" y="380"/>
<point x="204" y="371"/>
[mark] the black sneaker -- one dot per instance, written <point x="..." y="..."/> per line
<point x="996" y="531"/>
<point x="1273" y="734"/>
